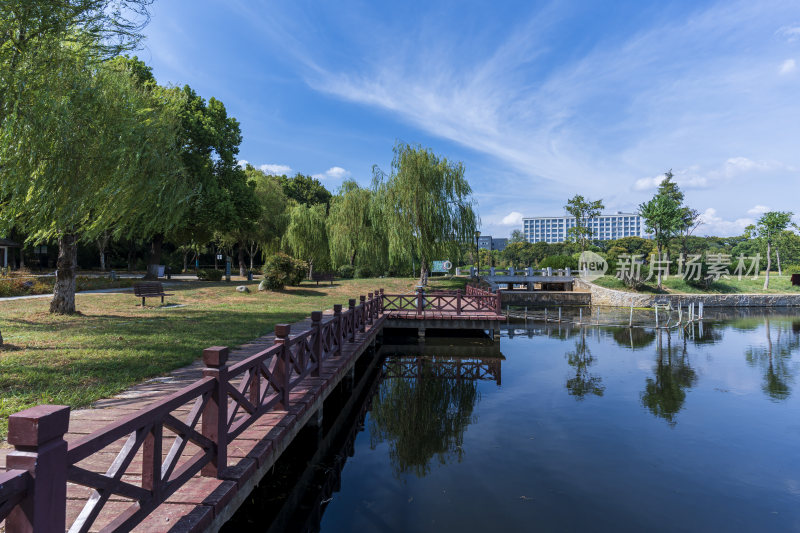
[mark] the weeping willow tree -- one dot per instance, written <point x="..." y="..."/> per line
<point x="306" y="237"/>
<point x="354" y="233"/>
<point x="426" y="206"/>
<point x="85" y="151"/>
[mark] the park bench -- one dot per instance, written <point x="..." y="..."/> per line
<point x="323" y="276"/>
<point x="148" y="289"/>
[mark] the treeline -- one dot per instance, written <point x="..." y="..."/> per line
<point x="771" y="244"/>
<point x="94" y="152"/>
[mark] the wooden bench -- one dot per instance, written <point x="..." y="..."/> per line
<point x="148" y="289"/>
<point x="323" y="276"/>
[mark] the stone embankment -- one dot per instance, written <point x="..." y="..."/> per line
<point x="611" y="297"/>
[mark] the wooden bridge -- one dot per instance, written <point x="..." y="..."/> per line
<point x="187" y="459"/>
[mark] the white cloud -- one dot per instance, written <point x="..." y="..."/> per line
<point x="790" y="33"/>
<point x="758" y="210"/>
<point x="336" y="173"/>
<point x="275" y="170"/>
<point x="514" y="218"/>
<point x="715" y="225"/>
<point x="243" y="163"/>
<point x="788" y="66"/>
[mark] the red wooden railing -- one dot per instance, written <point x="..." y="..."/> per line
<point x="474" y="301"/>
<point x="196" y="424"/>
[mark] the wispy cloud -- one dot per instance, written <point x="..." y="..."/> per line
<point x="277" y="170"/>
<point x="603" y="120"/>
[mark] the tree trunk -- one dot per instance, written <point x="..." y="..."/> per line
<point x="185" y="261"/>
<point x="102" y="244"/>
<point x="155" y="256"/>
<point x="242" y="266"/>
<point x="21" y="257"/>
<point x="423" y="272"/>
<point x="131" y="254"/>
<point x="778" y="257"/>
<point x="769" y="264"/>
<point x="63" y="302"/>
<point x="310" y="268"/>
<point x="352" y="258"/>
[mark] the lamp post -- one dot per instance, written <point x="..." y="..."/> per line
<point x="477" y="253"/>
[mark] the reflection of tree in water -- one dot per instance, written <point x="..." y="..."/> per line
<point x="422" y="419"/>
<point x="583" y="382"/>
<point x="775" y="359"/>
<point x="633" y="337"/>
<point x="665" y="394"/>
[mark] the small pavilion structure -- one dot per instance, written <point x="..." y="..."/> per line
<point x="5" y="245"/>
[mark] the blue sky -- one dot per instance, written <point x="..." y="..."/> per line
<point x="540" y="100"/>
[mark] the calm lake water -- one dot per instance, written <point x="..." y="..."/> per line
<point x="557" y="429"/>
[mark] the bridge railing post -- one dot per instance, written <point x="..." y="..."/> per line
<point x="351" y="328"/>
<point x="215" y="413"/>
<point x="497" y="302"/>
<point x="337" y="316"/>
<point x="370" y="305"/>
<point x="283" y="367"/>
<point x="362" y="310"/>
<point x="420" y="303"/>
<point x="38" y="438"/>
<point x="316" y="342"/>
<point x="458" y="302"/>
<point x="381" y="302"/>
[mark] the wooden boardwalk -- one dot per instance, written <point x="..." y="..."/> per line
<point x="141" y="461"/>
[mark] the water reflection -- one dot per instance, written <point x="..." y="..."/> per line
<point x="422" y="413"/>
<point x="665" y="393"/>
<point x="774" y="358"/>
<point x="584" y="382"/>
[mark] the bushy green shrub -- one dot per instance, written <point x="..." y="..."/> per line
<point x="209" y="274"/>
<point x="558" y="262"/>
<point x="281" y="270"/>
<point x="346" y="272"/>
<point x="363" y="272"/>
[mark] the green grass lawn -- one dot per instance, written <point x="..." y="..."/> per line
<point x="676" y="285"/>
<point x="114" y="343"/>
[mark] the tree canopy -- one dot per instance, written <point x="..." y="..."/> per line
<point x="426" y="205"/>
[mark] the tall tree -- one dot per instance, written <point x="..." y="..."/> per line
<point x="221" y="199"/>
<point x="768" y="227"/>
<point x="86" y="152"/>
<point x="516" y="236"/>
<point x="263" y="229"/>
<point x="584" y="211"/>
<point x="352" y="227"/>
<point x="426" y="205"/>
<point x="306" y="237"/>
<point x="663" y="217"/>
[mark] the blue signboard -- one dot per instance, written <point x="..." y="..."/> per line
<point x="441" y="266"/>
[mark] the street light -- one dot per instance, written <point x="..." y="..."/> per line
<point x="477" y="253"/>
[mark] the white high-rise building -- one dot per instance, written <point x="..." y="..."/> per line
<point x="604" y="227"/>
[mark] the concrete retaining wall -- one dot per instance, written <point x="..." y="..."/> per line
<point x="611" y="297"/>
<point x="550" y="298"/>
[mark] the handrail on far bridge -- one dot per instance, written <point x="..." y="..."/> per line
<point x="474" y="300"/>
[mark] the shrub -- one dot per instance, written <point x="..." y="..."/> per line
<point x="281" y="270"/>
<point x="363" y="272"/>
<point x="209" y="274"/>
<point x="346" y="272"/>
<point x="558" y="262"/>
